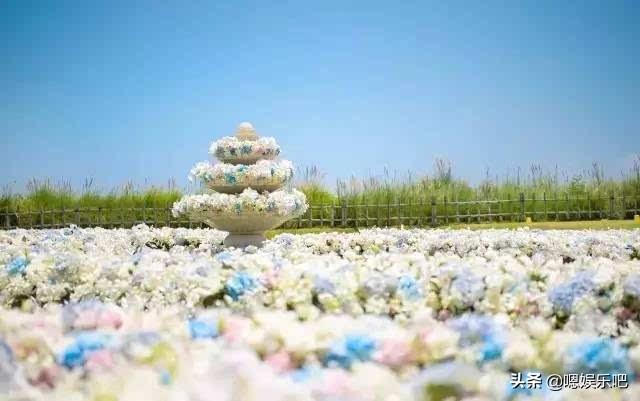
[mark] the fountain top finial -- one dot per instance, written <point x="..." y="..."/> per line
<point x="246" y="132"/>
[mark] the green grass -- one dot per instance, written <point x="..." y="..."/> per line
<point x="315" y="230"/>
<point x="547" y="225"/>
<point x="554" y="225"/>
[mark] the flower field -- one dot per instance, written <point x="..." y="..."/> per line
<point x="383" y="314"/>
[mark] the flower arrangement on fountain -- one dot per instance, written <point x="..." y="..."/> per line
<point x="278" y="203"/>
<point x="263" y="172"/>
<point x="244" y="194"/>
<point x="231" y="148"/>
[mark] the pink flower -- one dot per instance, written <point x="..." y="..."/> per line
<point x="269" y="279"/>
<point x="336" y="383"/>
<point x="99" y="360"/>
<point x="86" y="320"/>
<point x="394" y="353"/>
<point x="109" y="319"/>
<point x="46" y="377"/>
<point x="235" y="327"/>
<point x="280" y="361"/>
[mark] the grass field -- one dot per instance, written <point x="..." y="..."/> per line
<point x="555" y="225"/>
<point x="549" y="225"/>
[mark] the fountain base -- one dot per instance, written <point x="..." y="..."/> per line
<point x="243" y="240"/>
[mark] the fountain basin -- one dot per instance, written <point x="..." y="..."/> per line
<point x="244" y="229"/>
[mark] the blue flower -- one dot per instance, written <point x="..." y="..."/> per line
<point x="165" y="377"/>
<point x="483" y="332"/>
<point x="72" y="356"/>
<point x="91" y="340"/>
<point x="303" y="374"/>
<point x="491" y="349"/>
<point x="563" y="296"/>
<point x="224" y="257"/>
<point x="75" y="354"/>
<point x="599" y="355"/>
<point x="323" y="284"/>
<point x="409" y="287"/>
<point x="631" y="286"/>
<point x="473" y="328"/>
<point x="17" y="266"/>
<point x="230" y="178"/>
<point x="6" y="355"/>
<point x="239" y="284"/>
<point x="350" y="349"/>
<point x="469" y="286"/>
<point x="202" y="329"/>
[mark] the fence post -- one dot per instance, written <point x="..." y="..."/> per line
<point x="6" y="217"/>
<point x="356" y="217"/>
<point x="446" y="212"/>
<point x="566" y="203"/>
<point x="611" y="199"/>
<point x="522" y="212"/>
<point x="434" y="216"/>
<point x="366" y="215"/>
<point x="344" y="213"/>
<point x="589" y="205"/>
<point x="533" y="206"/>
<point x="388" y="212"/>
<point x="333" y="214"/>
<point x="457" y="210"/>
<point x="544" y="199"/>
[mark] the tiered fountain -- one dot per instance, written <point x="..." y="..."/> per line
<point x="243" y="193"/>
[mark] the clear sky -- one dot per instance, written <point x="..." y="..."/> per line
<point x="137" y="90"/>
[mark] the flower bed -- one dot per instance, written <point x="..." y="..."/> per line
<point x="381" y="314"/>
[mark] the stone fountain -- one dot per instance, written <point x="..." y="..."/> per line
<point x="243" y="194"/>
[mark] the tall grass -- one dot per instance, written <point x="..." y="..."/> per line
<point x="47" y="195"/>
<point x="589" y="189"/>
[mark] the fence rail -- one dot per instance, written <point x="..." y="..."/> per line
<point x="432" y="212"/>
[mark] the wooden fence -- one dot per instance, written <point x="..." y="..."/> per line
<point x="434" y="212"/>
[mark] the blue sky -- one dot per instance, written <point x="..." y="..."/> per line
<point x="136" y="91"/>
